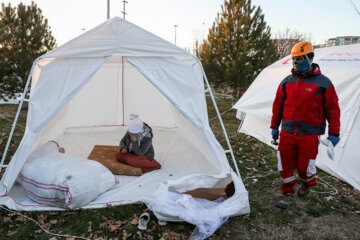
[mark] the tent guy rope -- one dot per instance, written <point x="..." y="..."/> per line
<point x="46" y="231"/>
<point x="1" y="116"/>
<point x="333" y="192"/>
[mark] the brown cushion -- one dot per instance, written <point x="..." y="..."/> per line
<point x="106" y="155"/>
<point x="212" y="194"/>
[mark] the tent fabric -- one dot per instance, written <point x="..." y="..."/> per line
<point x="117" y="37"/>
<point x="341" y="65"/>
<point x="83" y="93"/>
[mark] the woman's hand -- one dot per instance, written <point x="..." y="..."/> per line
<point x="124" y="150"/>
<point x="133" y="137"/>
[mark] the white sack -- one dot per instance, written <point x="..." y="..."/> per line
<point x="58" y="180"/>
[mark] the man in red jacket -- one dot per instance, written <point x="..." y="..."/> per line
<point x="304" y="101"/>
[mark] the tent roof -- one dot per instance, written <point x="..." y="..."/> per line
<point x="118" y="37"/>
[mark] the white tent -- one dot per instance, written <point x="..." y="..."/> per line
<point x="83" y="92"/>
<point x="342" y="65"/>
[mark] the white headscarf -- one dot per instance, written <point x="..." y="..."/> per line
<point x="136" y="125"/>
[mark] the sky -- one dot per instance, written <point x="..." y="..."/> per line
<point x="319" y="19"/>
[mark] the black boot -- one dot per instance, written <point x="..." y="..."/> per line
<point x="303" y="191"/>
<point x="286" y="201"/>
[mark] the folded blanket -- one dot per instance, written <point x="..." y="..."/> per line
<point x="106" y="155"/>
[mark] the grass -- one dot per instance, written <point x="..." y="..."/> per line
<point x="319" y="216"/>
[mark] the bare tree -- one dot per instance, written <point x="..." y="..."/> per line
<point x="287" y="39"/>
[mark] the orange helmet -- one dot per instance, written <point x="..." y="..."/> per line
<point x="301" y="48"/>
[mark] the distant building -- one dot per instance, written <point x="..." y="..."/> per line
<point x="347" y="40"/>
<point x="319" y="46"/>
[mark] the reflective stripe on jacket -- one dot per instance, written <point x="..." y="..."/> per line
<point x="303" y="103"/>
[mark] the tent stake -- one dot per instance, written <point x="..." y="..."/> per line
<point x="221" y="122"/>
<point x="16" y="117"/>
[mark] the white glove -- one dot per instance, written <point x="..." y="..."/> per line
<point x="330" y="148"/>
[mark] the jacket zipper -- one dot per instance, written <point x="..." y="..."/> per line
<point x="297" y="99"/>
<point x="318" y="107"/>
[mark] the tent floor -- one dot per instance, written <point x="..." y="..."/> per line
<point x="172" y="151"/>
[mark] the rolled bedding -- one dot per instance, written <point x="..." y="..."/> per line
<point x="58" y="180"/>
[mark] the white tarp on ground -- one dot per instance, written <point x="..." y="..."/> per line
<point x="342" y="65"/>
<point x="83" y="92"/>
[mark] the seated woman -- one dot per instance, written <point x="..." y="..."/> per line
<point x="136" y="147"/>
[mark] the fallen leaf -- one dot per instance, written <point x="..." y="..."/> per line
<point x="246" y="217"/>
<point x="357" y="212"/>
<point x="116" y="225"/>
<point x="125" y="235"/>
<point x="113" y="228"/>
<point x="102" y="225"/>
<point x="11" y="214"/>
<point x="53" y="213"/>
<point x="20" y="219"/>
<point x="70" y="238"/>
<point x="356" y="192"/>
<point x="263" y="228"/>
<point x="7" y="219"/>
<point x="134" y="220"/>
<point x="9" y="234"/>
<point x="89" y="228"/>
<point x="151" y="226"/>
<point x="41" y="219"/>
<point x="149" y="237"/>
<point x="139" y="235"/>
<point x="336" y="179"/>
<point x="38" y="231"/>
<point x="54" y="221"/>
<point x="329" y="198"/>
<point x="69" y="213"/>
<point x="111" y="221"/>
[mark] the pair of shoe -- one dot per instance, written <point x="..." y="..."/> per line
<point x="144" y="219"/>
<point x="287" y="200"/>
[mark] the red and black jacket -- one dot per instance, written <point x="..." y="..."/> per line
<point x="303" y="103"/>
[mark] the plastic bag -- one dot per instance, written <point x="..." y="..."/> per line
<point x="206" y="215"/>
<point x="330" y="148"/>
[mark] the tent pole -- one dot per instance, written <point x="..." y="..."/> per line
<point x="16" y="117"/>
<point x="221" y="122"/>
